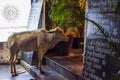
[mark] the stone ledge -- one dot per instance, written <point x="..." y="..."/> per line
<point x="48" y="75"/>
<point x="62" y="69"/>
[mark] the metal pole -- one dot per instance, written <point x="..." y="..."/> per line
<point x="44" y="24"/>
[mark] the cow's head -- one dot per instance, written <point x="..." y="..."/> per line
<point x="58" y="34"/>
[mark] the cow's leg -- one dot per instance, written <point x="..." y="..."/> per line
<point x="14" y="64"/>
<point x="40" y="57"/>
<point x="11" y="61"/>
<point x="11" y="64"/>
<point x="41" y="60"/>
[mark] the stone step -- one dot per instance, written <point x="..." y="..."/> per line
<point x="63" y="70"/>
<point x="49" y="74"/>
<point x="22" y="73"/>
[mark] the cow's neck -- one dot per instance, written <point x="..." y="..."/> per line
<point x="53" y="43"/>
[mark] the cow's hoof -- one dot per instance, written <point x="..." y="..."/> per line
<point x="42" y="72"/>
<point x="14" y="75"/>
<point x="12" y="72"/>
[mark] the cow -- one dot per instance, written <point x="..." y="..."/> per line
<point x="37" y="40"/>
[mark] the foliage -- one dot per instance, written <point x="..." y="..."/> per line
<point x="68" y="14"/>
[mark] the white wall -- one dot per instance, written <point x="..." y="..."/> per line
<point x="14" y="16"/>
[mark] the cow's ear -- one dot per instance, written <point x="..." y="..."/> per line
<point x="59" y="30"/>
<point x="51" y="30"/>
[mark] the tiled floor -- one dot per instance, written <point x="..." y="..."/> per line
<point x="5" y="73"/>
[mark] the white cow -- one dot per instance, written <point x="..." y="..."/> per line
<point x="37" y="40"/>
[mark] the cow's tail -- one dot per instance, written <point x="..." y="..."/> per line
<point x="8" y="51"/>
<point x="10" y="60"/>
<point x="9" y="43"/>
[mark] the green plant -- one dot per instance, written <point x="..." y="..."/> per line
<point x="68" y="14"/>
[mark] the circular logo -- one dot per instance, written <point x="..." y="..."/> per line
<point x="10" y="12"/>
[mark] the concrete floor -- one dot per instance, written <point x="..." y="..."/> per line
<point x="5" y="73"/>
